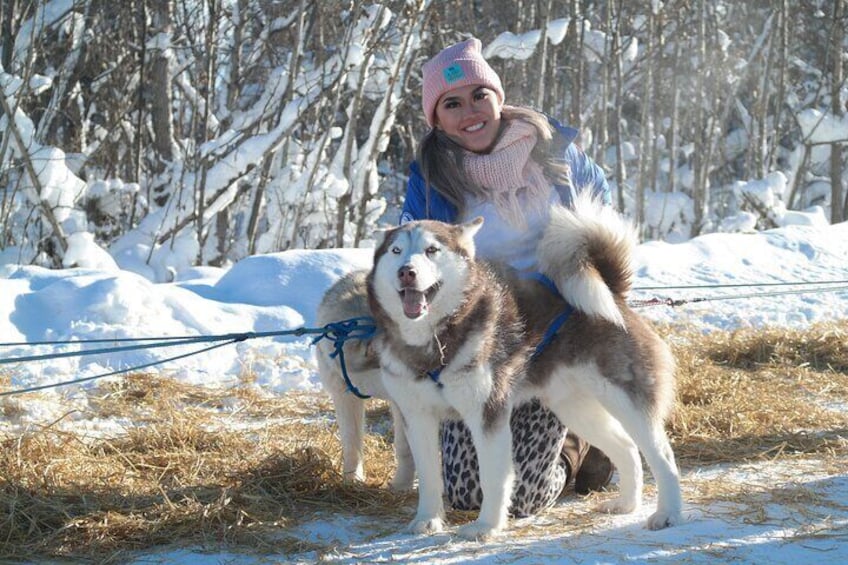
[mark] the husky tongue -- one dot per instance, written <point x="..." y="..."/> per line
<point x="414" y="303"/>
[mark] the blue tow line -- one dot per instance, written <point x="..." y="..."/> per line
<point x="357" y="328"/>
<point x="362" y="327"/>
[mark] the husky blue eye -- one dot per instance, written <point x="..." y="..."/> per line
<point x="432" y="250"/>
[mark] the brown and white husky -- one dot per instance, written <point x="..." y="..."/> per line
<point x="456" y="340"/>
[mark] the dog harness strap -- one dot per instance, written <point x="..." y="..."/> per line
<point x="434" y="376"/>
<point x="338" y="333"/>
<point x="552" y="330"/>
<point x="548" y="283"/>
<point x="350" y="386"/>
<point x="557" y="322"/>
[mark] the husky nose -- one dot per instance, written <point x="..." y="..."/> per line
<point x="406" y="274"/>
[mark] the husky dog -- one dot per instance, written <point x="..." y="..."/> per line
<point x="345" y="300"/>
<point x="453" y="344"/>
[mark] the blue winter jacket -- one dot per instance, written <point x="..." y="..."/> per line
<point x="585" y="175"/>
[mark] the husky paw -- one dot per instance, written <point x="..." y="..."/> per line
<point x="402" y="482"/>
<point x="401" y="486"/>
<point x="354" y="477"/>
<point x="426" y="526"/>
<point x="618" y="505"/>
<point x="477" y="531"/>
<point x="662" y="519"/>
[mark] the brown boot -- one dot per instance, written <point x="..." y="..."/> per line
<point x="573" y="452"/>
<point x="595" y="473"/>
<point x="588" y="468"/>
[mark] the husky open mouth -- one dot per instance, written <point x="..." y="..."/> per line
<point x="415" y="302"/>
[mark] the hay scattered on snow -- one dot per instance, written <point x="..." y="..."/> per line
<point x="753" y="394"/>
<point x="239" y="468"/>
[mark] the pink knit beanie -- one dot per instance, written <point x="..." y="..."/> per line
<point x="458" y="65"/>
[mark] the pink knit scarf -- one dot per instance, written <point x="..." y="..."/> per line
<point x="508" y="172"/>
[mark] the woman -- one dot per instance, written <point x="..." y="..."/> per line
<point x="508" y="165"/>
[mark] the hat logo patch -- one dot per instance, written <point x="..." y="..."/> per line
<point x="453" y="73"/>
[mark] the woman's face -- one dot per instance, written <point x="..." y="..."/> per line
<point x="471" y="116"/>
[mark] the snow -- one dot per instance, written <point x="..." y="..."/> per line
<point x="513" y="46"/>
<point x="279" y="292"/>
<point x="819" y="128"/>
<point x="143" y="289"/>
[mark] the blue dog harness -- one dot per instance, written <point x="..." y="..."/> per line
<point x="362" y="327"/>
<point x="556" y="323"/>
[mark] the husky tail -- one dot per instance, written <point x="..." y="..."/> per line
<point x="587" y="252"/>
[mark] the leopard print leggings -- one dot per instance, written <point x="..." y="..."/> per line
<point x="540" y="472"/>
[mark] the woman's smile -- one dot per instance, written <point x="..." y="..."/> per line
<point x="471" y="116"/>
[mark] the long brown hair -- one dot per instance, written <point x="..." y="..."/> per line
<point x="441" y="159"/>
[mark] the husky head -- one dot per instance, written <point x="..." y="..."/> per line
<point x="420" y="268"/>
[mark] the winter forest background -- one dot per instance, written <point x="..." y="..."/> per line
<point x="165" y="133"/>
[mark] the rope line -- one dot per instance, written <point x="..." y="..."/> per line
<point x="112" y="373"/>
<point x="349" y="329"/>
<point x="740" y="285"/>
<point x="99" y="340"/>
<point x="163" y="342"/>
<point x="680" y="302"/>
<point x="83" y="352"/>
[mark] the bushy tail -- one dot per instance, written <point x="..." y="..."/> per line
<point x="587" y="252"/>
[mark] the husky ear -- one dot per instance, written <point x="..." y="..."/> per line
<point x="380" y="236"/>
<point x="469" y="230"/>
<point x="473" y="226"/>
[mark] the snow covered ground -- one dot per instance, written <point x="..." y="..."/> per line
<point x="788" y="512"/>
<point x="761" y="527"/>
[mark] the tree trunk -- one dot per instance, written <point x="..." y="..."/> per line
<point x="160" y="94"/>
<point x="9" y="22"/>
<point x="606" y="86"/>
<point x="674" y="127"/>
<point x="543" y="63"/>
<point x="213" y="7"/>
<point x="701" y="133"/>
<point x="646" y="132"/>
<point x="837" y="191"/>
<point x="574" y="49"/>
<point x="782" y="69"/>
<point x="620" y="172"/>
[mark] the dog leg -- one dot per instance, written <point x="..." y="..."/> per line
<point x="591" y="421"/>
<point x="653" y="442"/>
<point x="421" y="422"/>
<point x="494" y="452"/>
<point x="635" y="428"/>
<point x="404" y="478"/>
<point x="350" y="417"/>
<point x="423" y="434"/>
